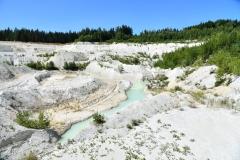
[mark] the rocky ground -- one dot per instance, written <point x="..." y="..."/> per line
<point x="186" y="115"/>
<point x="185" y="121"/>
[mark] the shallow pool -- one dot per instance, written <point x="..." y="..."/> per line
<point x="136" y="92"/>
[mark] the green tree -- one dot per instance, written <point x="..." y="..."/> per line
<point x="39" y="66"/>
<point x="43" y="122"/>
<point x="66" y="66"/>
<point x="98" y="118"/>
<point x="50" y="66"/>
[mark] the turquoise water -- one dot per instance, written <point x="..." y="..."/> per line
<point x="134" y="93"/>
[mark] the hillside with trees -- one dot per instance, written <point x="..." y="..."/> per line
<point x="222" y="48"/>
<point x="124" y="33"/>
<point x="221" y="42"/>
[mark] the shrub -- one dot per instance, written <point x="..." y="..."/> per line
<point x="98" y="118"/>
<point x="178" y="88"/>
<point x="83" y="66"/>
<point x="7" y="62"/>
<point x="39" y="66"/>
<point x="47" y="54"/>
<point x="31" y="156"/>
<point x="187" y="72"/>
<point x="222" y="50"/>
<point x="136" y="122"/>
<point x="129" y="126"/>
<point x="155" y="56"/>
<point x="126" y="60"/>
<point x="23" y="118"/>
<point x="198" y="95"/>
<point x="74" y="67"/>
<point x="50" y="66"/>
<point x="219" y="81"/>
<point x="120" y="68"/>
<point x="70" y="66"/>
<point x="163" y="78"/>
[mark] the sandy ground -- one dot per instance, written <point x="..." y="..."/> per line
<point x="200" y="133"/>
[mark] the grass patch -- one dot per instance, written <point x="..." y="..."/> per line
<point x="198" y="96"/>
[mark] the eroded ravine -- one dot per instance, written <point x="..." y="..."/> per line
<point x="136" y="92"/>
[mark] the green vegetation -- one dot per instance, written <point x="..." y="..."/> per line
<point x="27" y="35"/>
<point x="222" y="48"/>
<point x="70" y="66"/>
<point x="120" y="68"/>
<point x="219" y="81"/>
<point x="74" y="67"/>
<point x="143" y="54"/>
<point x="7" y="62"/>
<point x="31" y="156"/>
<point x="129" y="126"/>
<point x="199" y="96"/>
<point x="83" y="66"/>
<point x="192" y="140"/>
<point x="59" y="145"/>
<point x="190" y="71"/>
<point x="118" y="34"/>
<point x="124" y="33"/>
<point x="155" y="56"/>
<point x="136" y="122"/>
<point x="23" y="118"/>
<point x="161" y="77"/>
<point x="126" y="60"/>
<point x="39" y="66"/>
<point x="47" y="54"/>
<point x="221" y="43"/>
<point x="158" y="83"/>
<point x="178" y="88"/>
<point x="98" y="118"/>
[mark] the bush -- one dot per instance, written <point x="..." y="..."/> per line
<point x="83" y="66"/>
<point x="50" y="66"/>
<point x="219" y="81"/>
<point x="70" y="66"/>
<point x="31" y="156"/>
<point x="98" y="118"/>
<point x="198" y="95"/>
<point x="126" y="60"/>
<point x="155" y="56"/>
<point x="39" y="66"/>
<point x="221" y="49"/>
<point x="7" y="62"/>
<point x="74" y="67"/>
<point x="136" y="122"/>
<point x="178" y="88"/>
<point x="23" y="118"/>
<point x="59" y="145"/>
<point x="129" y="126"/>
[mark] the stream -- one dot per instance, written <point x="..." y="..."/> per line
<point x="136" y="92"/>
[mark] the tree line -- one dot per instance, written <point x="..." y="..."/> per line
<point x="202" y="31"/>
<point x="124" y="33"/>
<point x="85" y="35"/>
<point x="26" y="35"/>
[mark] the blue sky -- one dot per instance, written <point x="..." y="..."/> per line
<point x="65" y="15"/>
